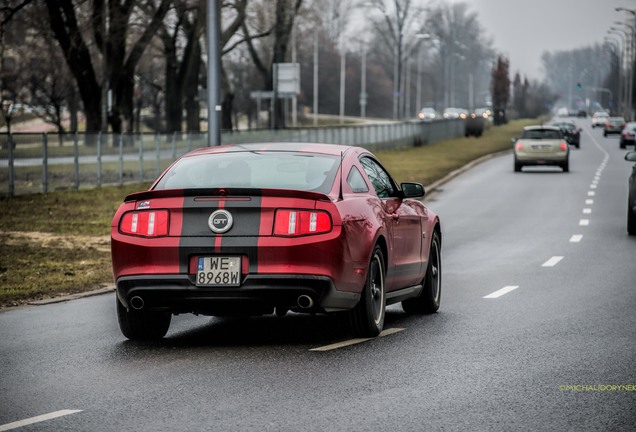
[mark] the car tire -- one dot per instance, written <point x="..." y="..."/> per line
<point x="566" y="166"/>
<point x="142" y="325"/>
<point x="631" y="221"/>
<point x="604" y="133"/>
<point x="622" y="144"/>
<point x="518" y="166"/>
<point x="367" y="318"/>
<point x="429" y="299"/>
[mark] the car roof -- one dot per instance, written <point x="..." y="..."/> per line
<point x="318" y="148"/>
<point x="541" y="127"/>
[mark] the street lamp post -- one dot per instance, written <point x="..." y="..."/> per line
<point x="452" y="76"/>
<point x="630" y="59"/>
<point x="627" y="56"/>
<point x="7" y="111"/>
<point x="630" y="84"/>
<point x="343" y="60"/>
<point x="363" y="82"/>
<point x="615" y="44"/>
<point x="418" y="97"/>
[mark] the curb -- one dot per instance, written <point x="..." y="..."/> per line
<point x="104" y="290"/>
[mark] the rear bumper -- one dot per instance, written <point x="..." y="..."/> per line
<point x="258" y="294"/>
<point x="541" y="158"/>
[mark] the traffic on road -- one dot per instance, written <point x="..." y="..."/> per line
<point x="536" y="331"/>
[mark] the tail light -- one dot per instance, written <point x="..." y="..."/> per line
<point x="148" y="223"/>
<point x="293" y="223"/>
<point x="421" y="116"/>
<point x="519" y="146"/>
<point x="564" y="146"/>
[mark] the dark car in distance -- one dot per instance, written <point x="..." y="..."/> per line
<point x="631" y="195"/>
<point x="613" y="125"/>
<point x="571" y="133"/>
<point x="257" y="229"/>
<point x="628" y="135"/>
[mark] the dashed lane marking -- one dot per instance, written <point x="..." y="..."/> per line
<point x="350" y="342"/>
<point x="552" y="261"/>
<point x="584" y="222"/>
<point x="576" y="238"/>
<point x="37" y="419"/>
<point x="503" y="291"/>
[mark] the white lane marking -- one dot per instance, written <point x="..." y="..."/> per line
<point x="587" y="211"/>
<point x="355" y="341"/>
<point x="591" y="193"/>
<point x="584" y="222"/>
<point x="589" y="201"/>
<point x="592" y="186"/>
<point x="499" y="293"/>
<point x="552" y="261"/>
<point x="37" y="419"/>
<point x="576" y="238"/>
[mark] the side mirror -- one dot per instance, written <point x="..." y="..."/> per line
<point x="412" y="190"/>
<point x="630" y="156"/>
<point x="514" y="140"/>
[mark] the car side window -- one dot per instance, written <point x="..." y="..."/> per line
<point x="356" y="181"/>
<point x="379" y="178"/>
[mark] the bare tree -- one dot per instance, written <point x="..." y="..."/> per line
<point x="9" y="83"/>
<point x="399" y="23"/>
<point x="464" y="52"/>
<point x="111" y="22"/>
<point x="285" y="11"/>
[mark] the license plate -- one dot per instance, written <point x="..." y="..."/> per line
<point x="219" y="271"/>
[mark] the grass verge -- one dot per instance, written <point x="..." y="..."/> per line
<point x="58" y="243"/>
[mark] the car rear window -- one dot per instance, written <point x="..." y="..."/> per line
<point x="541" y="134"/>
<point x="261" y="170"/>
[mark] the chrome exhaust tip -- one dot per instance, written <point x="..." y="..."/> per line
<point x="304" y="301"/>
<point x="137" y="303"/>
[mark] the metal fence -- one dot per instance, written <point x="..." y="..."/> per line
<point x="46" y="162"/>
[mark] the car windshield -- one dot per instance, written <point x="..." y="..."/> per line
<point x="261" y="170"/>
<point x="541" y="134"/>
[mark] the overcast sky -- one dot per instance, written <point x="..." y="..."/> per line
<point x="524" y="29"/>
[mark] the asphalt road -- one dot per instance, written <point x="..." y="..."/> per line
<point x="555" y="352"/>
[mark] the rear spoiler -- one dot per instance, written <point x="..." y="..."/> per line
<point x="225" y="192"/>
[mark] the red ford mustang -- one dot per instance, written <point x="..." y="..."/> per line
<point x="253" y="229"/>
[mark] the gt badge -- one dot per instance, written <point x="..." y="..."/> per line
<point x="220" y="221"/>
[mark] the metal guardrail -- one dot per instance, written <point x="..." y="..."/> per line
<point x="37" y="162"/>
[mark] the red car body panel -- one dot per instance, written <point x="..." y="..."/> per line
<point x="331" y="267"/>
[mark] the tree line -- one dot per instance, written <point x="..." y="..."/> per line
<point x="128" y="65"/>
